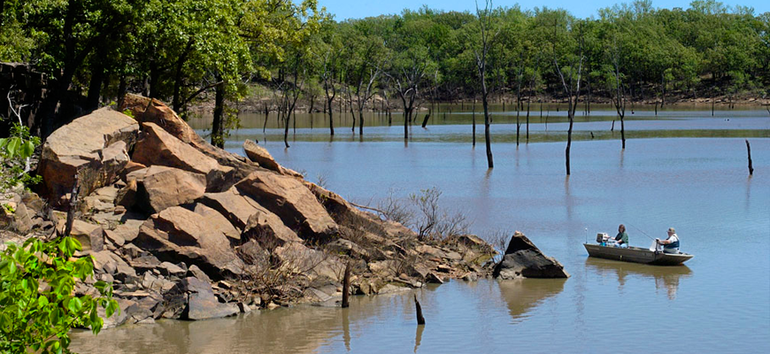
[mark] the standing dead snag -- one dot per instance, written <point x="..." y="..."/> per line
<point x="418" y="308"/>
<point x="73" y="206"/>
<point x="748" y="151"/>
<point x="346" y="287"/>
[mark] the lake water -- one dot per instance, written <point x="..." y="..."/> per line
<point x="684" y="169"/>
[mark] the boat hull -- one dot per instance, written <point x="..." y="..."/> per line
<point x="636" y="255"/>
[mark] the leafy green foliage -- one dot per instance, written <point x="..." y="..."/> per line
<point x="37" y="305"/>
<point x="15" y="151"/>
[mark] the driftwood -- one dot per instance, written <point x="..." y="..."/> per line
<point x="420" y="319"/>
<point x="748" y="151"/>
<point x="346" y="287"/>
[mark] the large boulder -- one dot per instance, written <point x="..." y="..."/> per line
<point x="93" y="147"/>
<point x="158" y="147"/>
<point x="291" y="200"/>
<point x="177" y="234"/>
<point x="161" y="187"/>
<point x="523" y="259"/>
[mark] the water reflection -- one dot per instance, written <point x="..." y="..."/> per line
<point x="417" y="337"/>
<point x="521" y="295"/>
<point x="666" y="278"/>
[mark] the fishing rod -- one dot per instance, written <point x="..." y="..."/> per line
<point x="644" y="233"/>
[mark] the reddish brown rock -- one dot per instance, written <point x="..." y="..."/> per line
<point x="181" y="235"/>
<point x="154" y="111"/>
<point x="157" y="147"/>
<point x="162" y="187"/>
<point x="290" y="199"/>
<point x="91" y="236"/>
<point x="260" y="155"/>
<point x="217" y="222"/>
<point x="93" y="146"/>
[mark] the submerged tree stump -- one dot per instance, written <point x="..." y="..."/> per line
<point x="748" y="151"/>
<point x="346" y="287"/>
<point x="420" y="319"/>
<point x="425" y="120"/>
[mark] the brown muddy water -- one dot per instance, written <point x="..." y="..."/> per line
<point x="684" y="169"/>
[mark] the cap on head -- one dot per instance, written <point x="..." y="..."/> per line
<point x="671" y="230"/>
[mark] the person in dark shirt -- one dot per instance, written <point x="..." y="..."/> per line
<point x="621" y="240"/>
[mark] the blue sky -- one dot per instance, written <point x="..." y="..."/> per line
<point x="345" y="9"/>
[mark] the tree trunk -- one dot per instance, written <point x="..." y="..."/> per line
<point x="331" y="118"/>
<point x="474" y="122"/>
<point x="217" y="127"/>
<point x="97" y="78"/>
<point x="569" y="138"/>
<point x="623" y="130"/>
<point x="490" y="162"/>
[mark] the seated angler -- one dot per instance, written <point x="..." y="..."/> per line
<point x="621" y="240"/>
<point x="671" y="244"/>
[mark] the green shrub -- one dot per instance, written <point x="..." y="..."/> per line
<point x="15" y="152"/>
<point x="37" y="305"/>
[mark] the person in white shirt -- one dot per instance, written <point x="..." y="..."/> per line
<point x="671" y="244"/>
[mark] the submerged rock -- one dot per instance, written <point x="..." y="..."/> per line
<point x="523" y="259"/>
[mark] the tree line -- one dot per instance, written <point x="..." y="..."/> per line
<point x="185" y="51"/>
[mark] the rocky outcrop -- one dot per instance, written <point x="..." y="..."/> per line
<point x="186" y="230"/>
<point x="94" y="147"/>
<point x="523" y="259"/>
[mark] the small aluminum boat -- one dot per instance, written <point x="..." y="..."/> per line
<point x="636" y="255"/>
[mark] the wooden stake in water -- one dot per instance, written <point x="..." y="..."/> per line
<point x="420" y="319"/>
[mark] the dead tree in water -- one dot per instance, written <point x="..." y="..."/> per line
<point x="619" y="97"/>
<point x="425" y="120"/>
<point x="329" y="89"/>
<point x="748" y="151"/>
<point x="346" y="287"/>
<point x="485" y="22"/>
<point x="418" y="308"/>
<point x="571" y="86"/>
